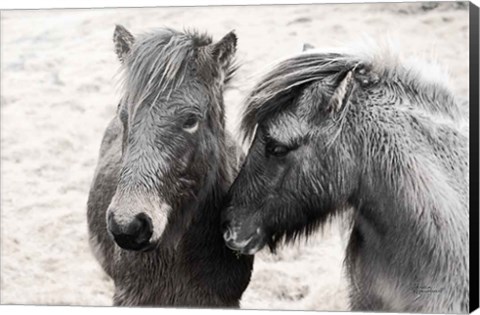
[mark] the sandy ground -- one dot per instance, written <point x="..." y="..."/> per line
<point x="58" y="92"/>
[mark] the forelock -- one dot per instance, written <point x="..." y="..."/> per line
<point x="159" y="62"/>
<point x="279" y="87"/>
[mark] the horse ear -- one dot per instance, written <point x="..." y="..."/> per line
<point x="307" y="46"/>
<point x="342" y="93"/>
<point x="224" y="50"/>
<point x="123" y="41"/>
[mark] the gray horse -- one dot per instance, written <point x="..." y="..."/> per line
<point x="334" y="131"/>
<point x="166" y="162"/>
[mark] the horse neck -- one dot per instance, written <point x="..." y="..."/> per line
<point x="211" y="195"/>
<point x="409" y="208"/>
<point x="408" y="185"/>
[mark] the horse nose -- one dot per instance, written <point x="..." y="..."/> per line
<point x="227" y="230"/>
<point x="228" y="234"/>
<point x="132" y="236"/>
<point x="245" y="241"/>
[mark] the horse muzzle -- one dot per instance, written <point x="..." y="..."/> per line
<point x="133" y="235"/>
<point x="246" y="243"/>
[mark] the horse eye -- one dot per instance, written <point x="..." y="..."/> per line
<point x="191" y="124"/>
<point x="277" y="150"/>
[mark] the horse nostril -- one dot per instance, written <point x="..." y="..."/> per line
<point x="228" y="234"/>
<point x="142" y="227"/>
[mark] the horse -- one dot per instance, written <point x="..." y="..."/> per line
<point x="372" y="132"/>
<point x="166" y="162"/>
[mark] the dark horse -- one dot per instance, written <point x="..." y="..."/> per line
<point x="334" y="131"/>
<point x="166" y="162"/>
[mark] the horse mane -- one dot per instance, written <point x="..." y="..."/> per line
<point x="279" y="87"/>
<point x="159" y="62"/>
<point x="424" y="84"/>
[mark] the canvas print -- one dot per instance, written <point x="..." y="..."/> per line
<point x="303" y="157"/>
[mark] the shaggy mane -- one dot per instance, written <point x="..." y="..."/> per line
<point x="424" y="85"/>
<point x="159" y="62"/>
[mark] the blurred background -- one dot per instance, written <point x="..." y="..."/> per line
<point x="59" y="90"/>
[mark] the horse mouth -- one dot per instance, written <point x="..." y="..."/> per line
<point x="126" y="244"/>
<point x="148" y="248"/>
<point x="250" y="246"/>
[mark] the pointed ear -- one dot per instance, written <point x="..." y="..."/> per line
<point x="123" y="41"/>
<point x="224" y="50"/>
<point x="342" y="93"/>
<point x="307" y="46"/>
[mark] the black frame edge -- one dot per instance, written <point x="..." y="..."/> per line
<point x="474" y="162"/>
